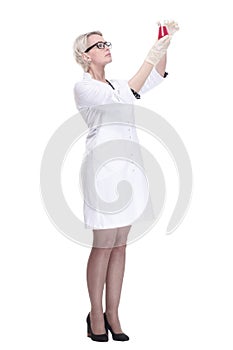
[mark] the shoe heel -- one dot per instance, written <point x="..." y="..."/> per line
<point x="95" y="337"/>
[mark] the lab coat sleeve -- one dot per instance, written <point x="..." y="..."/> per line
<point x="153" y="80"/>
<point x="86" y="94"/>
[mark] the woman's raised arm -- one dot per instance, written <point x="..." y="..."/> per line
<point x="155" y="58"/>
<point x="139" y="79"/>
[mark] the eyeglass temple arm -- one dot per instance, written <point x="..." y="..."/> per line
<point x="89" y="48"/>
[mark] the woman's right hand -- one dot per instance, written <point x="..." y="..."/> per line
<point x="172" y="27"/>
<point x="158" y="50"/>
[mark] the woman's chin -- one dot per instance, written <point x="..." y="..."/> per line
<point x="109" y="60"/>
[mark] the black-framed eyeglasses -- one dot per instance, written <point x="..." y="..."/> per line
<point x="100" y="45"/>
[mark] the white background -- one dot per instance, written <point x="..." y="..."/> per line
<point x="177" y="291"/>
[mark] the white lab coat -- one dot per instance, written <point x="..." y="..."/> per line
<point x="98" y="104"/>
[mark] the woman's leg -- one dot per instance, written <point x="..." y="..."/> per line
<point x="114" y="279"/>
<point x="103" y="241"/>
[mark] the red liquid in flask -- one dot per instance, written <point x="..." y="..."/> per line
<point x="162" y="32"/>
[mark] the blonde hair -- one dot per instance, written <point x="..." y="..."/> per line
<point x="80" y="45"/>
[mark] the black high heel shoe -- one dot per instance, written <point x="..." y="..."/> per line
<point x="95" y="337"/>
<point x="115" y="336"/>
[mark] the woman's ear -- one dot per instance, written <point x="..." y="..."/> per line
<point x="86" y="58"/>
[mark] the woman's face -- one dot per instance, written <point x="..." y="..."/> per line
<point x="98" y="56"/>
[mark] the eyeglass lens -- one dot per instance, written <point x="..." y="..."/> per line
<point x="102" y="45"/>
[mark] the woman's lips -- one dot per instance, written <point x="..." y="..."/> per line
<point x="108" y="54"/>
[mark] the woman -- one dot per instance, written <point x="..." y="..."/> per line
<point x="106" y="262"/>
